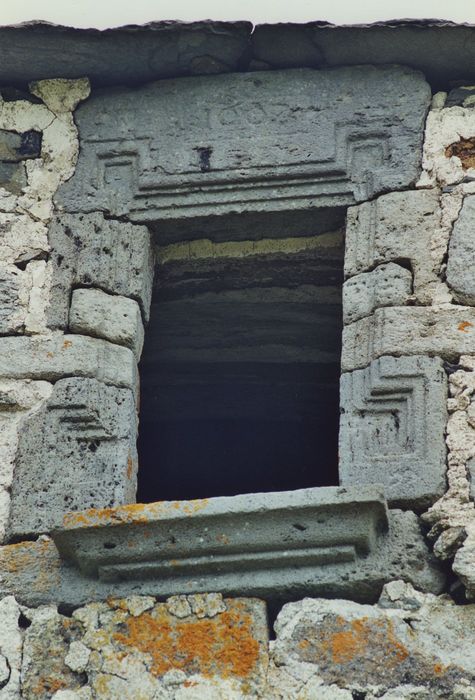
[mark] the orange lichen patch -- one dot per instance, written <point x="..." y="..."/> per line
<point x="224" y="645"/>
<point x="67" y="344"/>
<point x="357" y="641"/>
<point x="47" y="686"/>
<point x="49" y="355"/>
<point x="464" y="325"/>
<point x="463" y="149"/>
<point x="40" y="557"/>
<point x="133" y="513"/>
<point x="439" y="669"/>
<point x="130" y="467"/>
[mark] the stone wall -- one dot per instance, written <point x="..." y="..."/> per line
<point x="75" y="292"/>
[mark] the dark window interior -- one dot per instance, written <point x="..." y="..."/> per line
<point x="240" y="371"/>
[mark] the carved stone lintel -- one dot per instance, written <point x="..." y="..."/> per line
<point x="286" y="140"/>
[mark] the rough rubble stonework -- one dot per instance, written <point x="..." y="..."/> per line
<point x="409" y="645"/>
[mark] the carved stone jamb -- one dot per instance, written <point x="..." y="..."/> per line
<point x="394" y="414"/>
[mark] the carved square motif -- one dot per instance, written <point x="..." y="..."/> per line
<point x="392" y="428"/>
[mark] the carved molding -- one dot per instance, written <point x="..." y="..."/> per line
<point x="392" y="428"/>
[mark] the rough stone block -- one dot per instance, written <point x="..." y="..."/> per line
<point x="448" y="146"/>
<point x="58" y="356"/>
<point x="90" y="251"/>
<point x="398" y="226"/>
<point x="387" y="285"/>
<point x="357" y="132"/>
<point x="114" y="318"/>
<point x="11" y="648"/>
<point x="362" y="647"/>
<point x="14" y="294"/>
<point x="138" y="648"/>
<point x="445" y="332"/>
<point x="78" y="451"/>
<point x="392" y="428"/>
<point x="461" y="261"/>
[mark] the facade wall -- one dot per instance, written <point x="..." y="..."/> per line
<point x="68" y="374"/>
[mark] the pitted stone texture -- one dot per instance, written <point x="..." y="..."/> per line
<point x="399" y="226"/>
<point x="448" y="131"/>
<point x="452" y="518"/>
<point x="18" y="399"/>
<point x="387" y="285"/>
<point x="35" y="572"/>
<point x="447" y="332"/>
<point x="23" y="296"/>
<point x="102" y="315"/>
<point x="11" y="644"/>
<point x="90" y="251"/>
<point x="56" y="356"/>
<point x="78" y="451"/>
<point x="461" y="261"/>
<point x="249" y="148"/>
<point x="392" y="428"/>
<point x="363" y="648"/>
<point x="45" y="647"/>
<point x="149" y="655"/>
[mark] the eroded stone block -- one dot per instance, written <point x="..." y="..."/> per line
<point x="11" y="648"/>
<point x="357" y="132"/>
<point x="461" y="261"/>
<point x="138" y="648"/>
<point x="398" y="226"/>
<point x="78" y="451"/>
<point x="359" y="646"/>
<point x="57" y="356"/>
<point x="90" y="251"/>
<point x="446" y="332"/>
<point x="392" y="428"/>
<point x="387" y="285"/>
<point x="114" y="318"/>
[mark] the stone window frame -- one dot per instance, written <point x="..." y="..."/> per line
<point x="379" y="374"/>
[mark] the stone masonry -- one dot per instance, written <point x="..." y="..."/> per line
<point x="235" y="143"/>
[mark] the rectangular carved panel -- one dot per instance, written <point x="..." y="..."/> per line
<point x="392" y="428"/>
<point x="283" y="140"/>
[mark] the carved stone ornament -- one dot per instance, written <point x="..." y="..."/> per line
<point x="272" y="141"/>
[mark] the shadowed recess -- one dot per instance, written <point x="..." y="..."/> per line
<point x="240" y="370"/>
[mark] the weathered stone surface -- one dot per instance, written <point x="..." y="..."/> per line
<point x="57" y="356"/>
<point x="247" y="537"/>
<point x="447" y="332"/>
<point x="43" y="669"/>
<point x="357" y="132"/>
<point x="102" y="315"/>
<point x="406" y="226"/>
<point x="463" y="96"/>
<point x="138" y="648"/>
<point x="392" y="428"/>
<point x="89" y="251"/>
<point x="387" y="285"/>
<point x="363" y="648"/>
<point x="448" y="146"/>
<point x="452" y="517"/>
<point x="131" y="55"/>
<point x="461" y="261"/>
<point x="15" y="147"/>
<point x="77" y="451"/>
<point x="11" y="644"/>
<point x="23" y="297"/>
<point x="18" y="399"/>
<point x="37" y="575"/>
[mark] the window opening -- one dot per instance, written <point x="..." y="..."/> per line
<point x="240" y="369"/>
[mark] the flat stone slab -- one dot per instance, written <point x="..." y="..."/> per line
<point x="176" y="154"/>
<point x="236" y="535"/>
